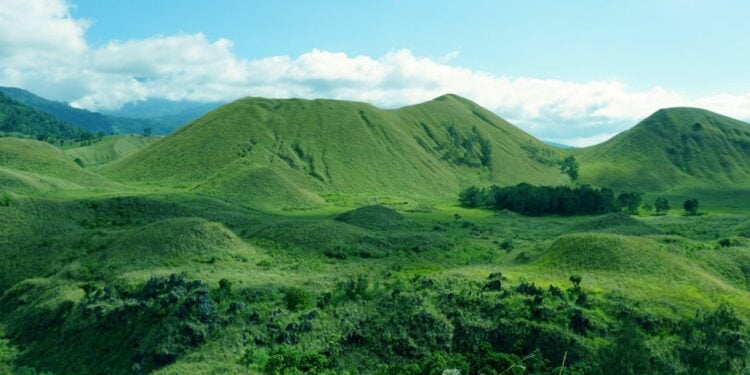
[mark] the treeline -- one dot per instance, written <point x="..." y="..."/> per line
<point x="18" y="119"/>
<point x="548" y="200"/>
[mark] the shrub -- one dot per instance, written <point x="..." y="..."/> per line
<point x="355" y="288"/>
<point x="691" y="206"/>
<point x="296" y="298"/>
<point x="5" y="199"/>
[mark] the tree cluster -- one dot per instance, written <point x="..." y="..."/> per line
<point x="473" y="150"/>
<point x="542" y="200"/>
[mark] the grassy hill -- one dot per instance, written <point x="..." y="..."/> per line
<point x="21" y="120"/>
<point x="30" y="165"/>
<point x="346" y="148"/>
<point x="673" y="149"/>
<point x="110" y="148"/>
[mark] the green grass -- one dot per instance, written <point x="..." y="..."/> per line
<point x="343" y="147"/>
<point x="674" y="149"/>
<point x="27" y="161"/>
<point x="618" y="223"/>
<point x="110" y="148"/>
<point x="373" y="217"/>
<point x="384" y="270"/>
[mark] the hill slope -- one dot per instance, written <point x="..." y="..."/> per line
<point x="19" y="119"/>
<point x="91" y="121"/>
<point x="673" y="149"/>
<point x="328" y="146"/>
<point x="29" y="165"/>
<point x="110" y="148"/>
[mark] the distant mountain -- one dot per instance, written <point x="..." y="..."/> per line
<point x="91" y="121"/>
<point x="20" y="120"/>
<point x="166" y="115"/>
<point x="558" y="145"/>
<point x="433" y="149"/>
<point x="673" y="149"/>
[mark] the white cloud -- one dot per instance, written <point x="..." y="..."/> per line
<point x="43" y="48"/>
<point x="584" y="141"/>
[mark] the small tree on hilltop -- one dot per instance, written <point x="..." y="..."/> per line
<point x="147" y="132"/>
<point x="691" y="206"/>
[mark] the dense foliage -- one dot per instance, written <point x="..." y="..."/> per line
<point x="18" y="119"/>
<point x="91" y="121"/>
<point x="541" y="200"/>
<point x="472" y="150"/>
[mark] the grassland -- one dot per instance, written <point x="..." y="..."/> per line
<point x="247" y="243"/>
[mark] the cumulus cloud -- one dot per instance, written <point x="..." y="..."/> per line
<point x="43" y="49"/>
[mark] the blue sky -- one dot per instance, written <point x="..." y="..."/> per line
<point x="698" y="47"/>
<point x="576" y="72"/>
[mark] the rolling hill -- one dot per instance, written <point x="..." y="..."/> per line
<point x="21" y="120"/>
<point x="110" y="148"/>
<point x="30" y="166"/>
<point x="325" y="146"/>
<point x="673" y="149"/>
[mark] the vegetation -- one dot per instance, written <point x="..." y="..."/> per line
<point x="569" y="166"/>
<point x="691" y="206"/>
<point x="661" y="205"/>
<point x="246" y="243"/>
<point x="18" y="119"/>
<point x="93" y="122"/>
<point x="541" y="200"/>
<point x="674" y="149"/>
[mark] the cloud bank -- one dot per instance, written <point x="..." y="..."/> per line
<point x="44" y="49"/>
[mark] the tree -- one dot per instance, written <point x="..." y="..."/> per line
<point x="713" y="342"/>
<point x="147" y="132"/>
<point x="630" y="201"/>
<point x="576" y="280"/>
<point x="661" y="205"/>
<point x="627" y="354"/>
<point x="471" y="197"/>
<point x="569" y="166"/>
<point x="691" y="206"/>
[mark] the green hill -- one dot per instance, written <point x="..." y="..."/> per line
<point x="110" y="148"/>
<point x="27" y="164"/>
<point x="91" y="121"/>
<point x="673" y="149"/>
<point x="609" y="252"/>
<point x="325" y="146"/>
<point x="21" y="120"/>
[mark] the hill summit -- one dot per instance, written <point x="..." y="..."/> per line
<point x="671" y="149"/>
<point x="350" y="148"/>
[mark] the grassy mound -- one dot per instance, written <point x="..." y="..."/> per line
<point x="165" y="243"/>
<point x="46" y="162"/>
<point x="376" y="217"/>
<point x="261" y="188"/>
<point x="607" y="252"/>
<point x="618" y="223"/>
<point x="340" y="240"/>
<point x="110" y="148"/>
